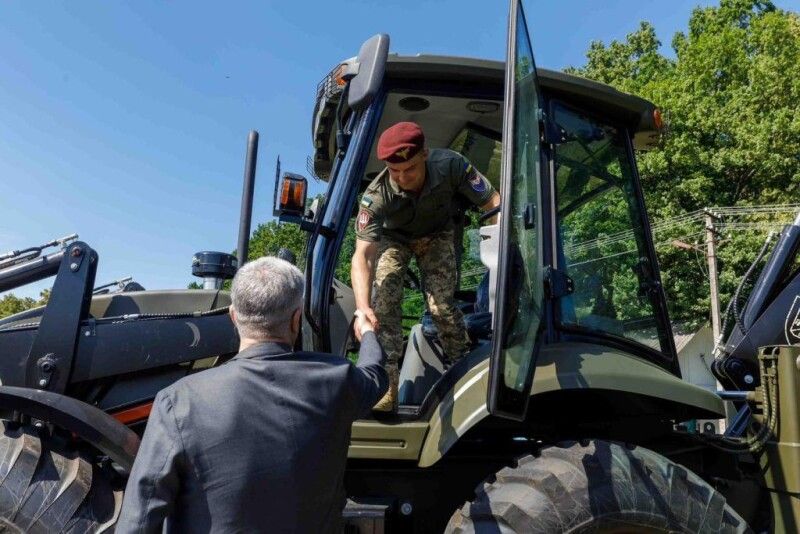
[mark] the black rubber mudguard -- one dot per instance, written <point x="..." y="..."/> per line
<point x="91" y="424"/>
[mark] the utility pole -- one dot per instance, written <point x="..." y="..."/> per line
<point x="713" y="280"/>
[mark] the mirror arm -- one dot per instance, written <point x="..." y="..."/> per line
<point x="307" y="225"/>
<point x="325" y="231"/>
<point x="342" y="138"/>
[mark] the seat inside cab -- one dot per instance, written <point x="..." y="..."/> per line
<point x="472" y="128"/>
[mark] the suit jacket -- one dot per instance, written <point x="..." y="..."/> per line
<point x="256" y="445"/>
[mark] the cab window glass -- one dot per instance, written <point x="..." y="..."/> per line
<point x="602" y="243"/>
<point x="525" y="291"/>
<point x="484" y="149"/>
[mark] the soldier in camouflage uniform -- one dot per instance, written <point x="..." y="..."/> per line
<point x="408" y="211"/>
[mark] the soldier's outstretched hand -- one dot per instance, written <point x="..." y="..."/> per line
<point x="366" y="321"/>
<point x="372" y="318"/>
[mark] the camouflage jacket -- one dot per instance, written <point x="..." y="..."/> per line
<point x="385" y="209"/>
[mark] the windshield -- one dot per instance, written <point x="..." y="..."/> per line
<point x="600" y="229"/>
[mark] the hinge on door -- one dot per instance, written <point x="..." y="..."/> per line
<point x="556" y="283"/>
<point x="544" y="127"/>
<point x="551" y="133"/>
<point x="529" y="216"/>
<point x="541" y="116"/>
<point x="342" y="141"/>
<point x="648" y="283"/>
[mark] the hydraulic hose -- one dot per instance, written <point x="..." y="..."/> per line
<point x="745" y="279"/>
<point x="720" y="345"/>
<point x="759" y="437"/>
<point x="733" y="304"/>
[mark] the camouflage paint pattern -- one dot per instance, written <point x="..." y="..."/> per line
<point x="435" y="256"/>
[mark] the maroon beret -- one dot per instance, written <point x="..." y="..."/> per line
<point x="401" y="142"/>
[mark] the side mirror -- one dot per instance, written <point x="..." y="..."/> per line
<point x="290" y="197"/>
<point x="371" y="64"/>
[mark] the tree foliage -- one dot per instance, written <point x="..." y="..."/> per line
<point x="730" y="98"/>
<point x="729" y="94"/>
<point x="269" y="238"/>
<point x="11" y="304"/>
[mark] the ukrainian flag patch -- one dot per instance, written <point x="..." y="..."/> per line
<point x="366" y="201"/>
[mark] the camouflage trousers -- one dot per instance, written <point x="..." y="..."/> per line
<point x="436" y="260"/>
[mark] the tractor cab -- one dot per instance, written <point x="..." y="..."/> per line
<point x="571" y="354"/>
<point x="572" y="257"/>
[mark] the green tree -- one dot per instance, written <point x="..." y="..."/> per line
<point x="733" y="132"/>
<point x="11" y="304"/>
<point x="345" y="255"/>
<point x="269" y="238"/>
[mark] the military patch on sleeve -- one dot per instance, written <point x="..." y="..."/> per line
<point x="366" y="201"/>
<point x="478" y="183"/>
<point x="363" y="219"/>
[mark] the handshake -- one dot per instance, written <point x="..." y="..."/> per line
<point x="365" y="322"/>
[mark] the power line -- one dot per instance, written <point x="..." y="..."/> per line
<point x="689" y="218"/>
<point x="730" y="219"/>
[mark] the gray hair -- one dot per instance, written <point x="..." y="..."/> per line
<point x="264" y="294"/>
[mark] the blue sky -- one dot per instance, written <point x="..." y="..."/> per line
<point x="127" y="122"/>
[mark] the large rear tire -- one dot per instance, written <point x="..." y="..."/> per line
<point x="46" y="490"/>
<point x="597" y="487"/>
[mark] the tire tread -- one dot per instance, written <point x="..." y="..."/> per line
<point x="578" y="486"/>
<point x="44" y="489"/>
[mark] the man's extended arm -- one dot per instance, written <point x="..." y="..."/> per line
<point x="362" y="268"/>
<point x="154" y="482"/>
<point x="372" y="377"/>
<point x="493" y="202"/>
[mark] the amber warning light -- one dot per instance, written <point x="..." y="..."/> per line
<point x="293" y="194"/>
<point x="339" y="75"/>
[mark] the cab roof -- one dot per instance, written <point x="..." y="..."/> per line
<point x="424" y="71"/>
<point x="635" y="112"/>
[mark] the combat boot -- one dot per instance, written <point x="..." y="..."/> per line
<point x="389" y="401"/>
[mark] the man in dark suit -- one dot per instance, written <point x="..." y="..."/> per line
<point x="258" y="444"/>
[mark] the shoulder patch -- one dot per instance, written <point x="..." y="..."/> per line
<point x="366" y="201"/>
<point x="363" y="219"/>
<point x="477" y="183"/>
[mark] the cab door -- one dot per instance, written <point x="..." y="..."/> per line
<point x="520" y="292"/>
